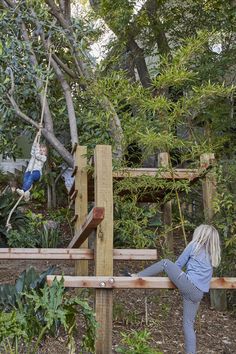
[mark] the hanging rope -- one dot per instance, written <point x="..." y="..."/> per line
<point x="8" y="225"/>
<point x="38" y="136"/>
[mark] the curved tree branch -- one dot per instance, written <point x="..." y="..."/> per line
<point x="64" y="67"/>
<point x="49" y="136"/>
<point x="136" y="52"/>
<point x="55" y="11"/>
<point x="64" y="84"/>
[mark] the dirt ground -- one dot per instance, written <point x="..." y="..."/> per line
<point x="216" y="331"/>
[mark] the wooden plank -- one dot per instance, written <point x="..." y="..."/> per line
<point x="182" y="173"/>
<point x="81" y="205"/>
<point x="208" y="188"/>
<point x="104" y="246"/>
<point x="102" y="282"/>
<point x="218" y="298"/>
<point x="135" y="254"/>
<point x="74" y="253"/>
<point x="207" y="160"/>
<point x="164" y="161"/>
<point x="93" y="219"/>
<point x="45" y="253"/>
<point x="104" y="198"/>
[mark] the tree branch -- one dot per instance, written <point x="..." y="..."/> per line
<point x="55" y="11"/>
<point x="49" y="136"/>
<point x="64" y="66"/>
<point x="64" y="84"/>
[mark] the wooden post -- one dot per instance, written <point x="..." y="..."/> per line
<point x="208" y="187"/>
<point x="218" y="297"/>
<point x="81" y="201"/>
<point x="104" y="246"/>
<point x="163" y="161"/>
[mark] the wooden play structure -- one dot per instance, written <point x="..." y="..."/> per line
<point x="98" y="188"/>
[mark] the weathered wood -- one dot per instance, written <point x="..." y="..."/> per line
<point x="45" y="253"/>
<point x="164" y="161"/>
<point x="178" y="174"/>
<point x="135" y="254"/>
<point x="81" y="206"/>
<point x="218" y="298"/>
<point x="207" y="160"/>
<point x="208" y="187"/>
<point x="73" y="254"/>
<point x="104" y="246"/>
<point x="102" y="282"/>
<point x="181" y="173"/>
<point x="91" y="222"/>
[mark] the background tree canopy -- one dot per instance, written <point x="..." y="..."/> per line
<point x="167" y="75"/>
<point x="165" y="82"/>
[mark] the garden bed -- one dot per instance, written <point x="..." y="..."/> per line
<point x="163" y="313"/>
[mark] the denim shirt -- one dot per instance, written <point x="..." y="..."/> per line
<point x="198" y="266"/>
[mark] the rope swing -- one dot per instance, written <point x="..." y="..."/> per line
<point x="37" y="138"/>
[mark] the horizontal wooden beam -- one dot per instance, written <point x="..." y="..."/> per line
<point x="135" y="254"/>
<point x="182" y="173"/>
<point x="45" y="253"/>
<point x="93" y="219"/>
<point x="133" y="283"/>
<point x="74" y="254"/>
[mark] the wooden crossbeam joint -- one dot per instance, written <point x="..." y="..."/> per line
<point x="93" y="219"/>
<point x="102" y="282"/>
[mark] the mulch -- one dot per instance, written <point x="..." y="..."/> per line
<point x="158" y="311"/>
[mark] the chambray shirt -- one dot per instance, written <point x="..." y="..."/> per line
<point x="198" y="266"/>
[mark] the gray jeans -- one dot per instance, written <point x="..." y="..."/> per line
<point x="191" y="297"/>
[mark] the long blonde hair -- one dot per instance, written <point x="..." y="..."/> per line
<point x="208" y="236"/>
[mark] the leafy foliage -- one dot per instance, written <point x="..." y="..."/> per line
<point x="18" y="219"/>
<point x="12" y="296"/>
<point x="37" y="233"/>
<point x="34" y="309"/>
<point x="136" y="343"/>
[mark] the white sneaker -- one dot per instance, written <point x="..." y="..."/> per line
<point x="20" y="191"/>
<point x="27" y="196"/>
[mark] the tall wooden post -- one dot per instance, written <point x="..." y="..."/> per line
<point x="104" y="246"/>
<point x="81" y="201"/>
<point x="218" y="297"/>
<point x="208" y="186"/>
<point x="163" y="161"/>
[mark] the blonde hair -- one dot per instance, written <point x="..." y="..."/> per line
<point x="208" y="236"/>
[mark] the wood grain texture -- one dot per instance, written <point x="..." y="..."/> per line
<point x="100" y="282"/>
